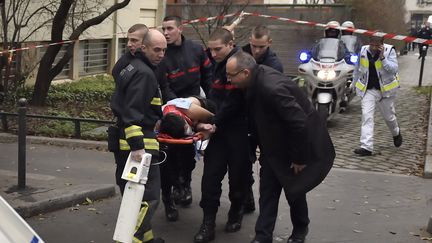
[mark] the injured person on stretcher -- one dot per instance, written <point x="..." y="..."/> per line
<point x="186" y="120"/>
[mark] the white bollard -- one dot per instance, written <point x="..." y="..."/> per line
<point x="136" y="173"/>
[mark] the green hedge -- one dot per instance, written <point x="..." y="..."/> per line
<point x="87" y="90"/>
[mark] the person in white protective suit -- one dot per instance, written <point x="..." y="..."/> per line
<point x="376" y="82"/>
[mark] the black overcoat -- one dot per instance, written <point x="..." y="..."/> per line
<point x="289" y="129"/>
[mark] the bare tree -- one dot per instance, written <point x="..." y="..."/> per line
<point x="66" y="9"/>
<point x="211" y="8"/>
<point x="384" y="15"/>
<point x="20" y="20"/>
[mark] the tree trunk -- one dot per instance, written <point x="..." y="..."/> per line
<point x="46" y="73"/>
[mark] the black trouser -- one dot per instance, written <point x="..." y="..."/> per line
<point x="151" y="194"/>
<point x="270" y="190"/>
<point x="177" y="169"/>
<point x="228" y="150"/>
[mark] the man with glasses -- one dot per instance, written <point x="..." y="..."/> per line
<point x="228" y="149"/>
<point x="297" y="152"/>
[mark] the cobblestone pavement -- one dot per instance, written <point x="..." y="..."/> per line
<point x="412" y="110"/>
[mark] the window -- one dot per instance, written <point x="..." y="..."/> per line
<point x="93" y="56"/>
<point x="65" y="72"/>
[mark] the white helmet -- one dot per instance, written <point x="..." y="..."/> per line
<point x="348" y="24"/>
<point x="332" y="24"/>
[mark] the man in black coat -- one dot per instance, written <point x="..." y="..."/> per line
<point x="296" y="150"/>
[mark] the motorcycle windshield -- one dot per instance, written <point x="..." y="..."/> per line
<point x="351" y="43"/>
<point x="328" y="50"/>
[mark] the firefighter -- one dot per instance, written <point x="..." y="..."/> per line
<point x="185" y="69"/>
<point x="136" y="104"/>
<point x="228" y="149"/>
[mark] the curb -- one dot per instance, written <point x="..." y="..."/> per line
<point x="428" y="161"/>
<point x="64" y="142"/>
<point x="78" y="195"/>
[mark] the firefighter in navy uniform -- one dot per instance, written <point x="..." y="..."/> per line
<point x="136" y="104"/>
<point x="228" y="149"/>
<point x="184" y="70"/>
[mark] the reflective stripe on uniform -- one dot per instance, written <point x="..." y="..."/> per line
<point x="378" y="65"/>
<point x="156" y="101"/>
<point x="360" y="86"/>
<point x="364" y="62"/>
<point x="149" y="143"/>
<point x="390" y="86"/>
<point x="133" y="131"/>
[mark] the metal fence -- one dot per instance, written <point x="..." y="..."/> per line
<point x="76" y="120"/>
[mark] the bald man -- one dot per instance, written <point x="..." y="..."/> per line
<point x="136" y="103"/>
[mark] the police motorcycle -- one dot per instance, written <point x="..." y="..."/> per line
<point x="326" y="73"/>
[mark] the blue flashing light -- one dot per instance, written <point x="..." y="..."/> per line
<point x="354" y="58"/>
<point x="304" y="56"/>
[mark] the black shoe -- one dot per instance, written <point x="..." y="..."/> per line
<point x="249" y="205"/>
<point x="206" y="232"/>
<point x="298" y="236"/>
<point x="177" y="194"/>
<point x="397" y="140"/>
<point x="186" y="198"/>
<point x="293" y="239"/>
<point x="171" y="212"/>
<point x="362" y="152"/>
<point x="235" y="217"/>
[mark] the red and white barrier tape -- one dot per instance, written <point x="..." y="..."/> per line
<point x="309" y="23"/>
<point x="199" y="20"/>
<point x="359" y="31"/>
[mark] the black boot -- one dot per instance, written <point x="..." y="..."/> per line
<point x="206" y="232"/>
<point x="177" y="194"/>
<point x="171" y="212"/>
<point x="249" y="204"/>
<point x="235" y="217"/>
<point x="186" y="198"/>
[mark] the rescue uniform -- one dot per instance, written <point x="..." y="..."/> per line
<point x="376" y="82"/>
<point x="184" y="70"/>
<point x="290" y="131"/>
<point x="136" y="103"/>
<point x="228" y="149"/>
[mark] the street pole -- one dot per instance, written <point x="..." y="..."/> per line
<point x="22" y="131"/>
<point x="423" y="53"/>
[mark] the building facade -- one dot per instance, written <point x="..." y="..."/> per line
<point x="99" y="47"/>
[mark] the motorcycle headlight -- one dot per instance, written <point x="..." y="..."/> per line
<point x="326" y="74"/>
<point x="353" y="58"/>
<point x="304" y="56"/>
